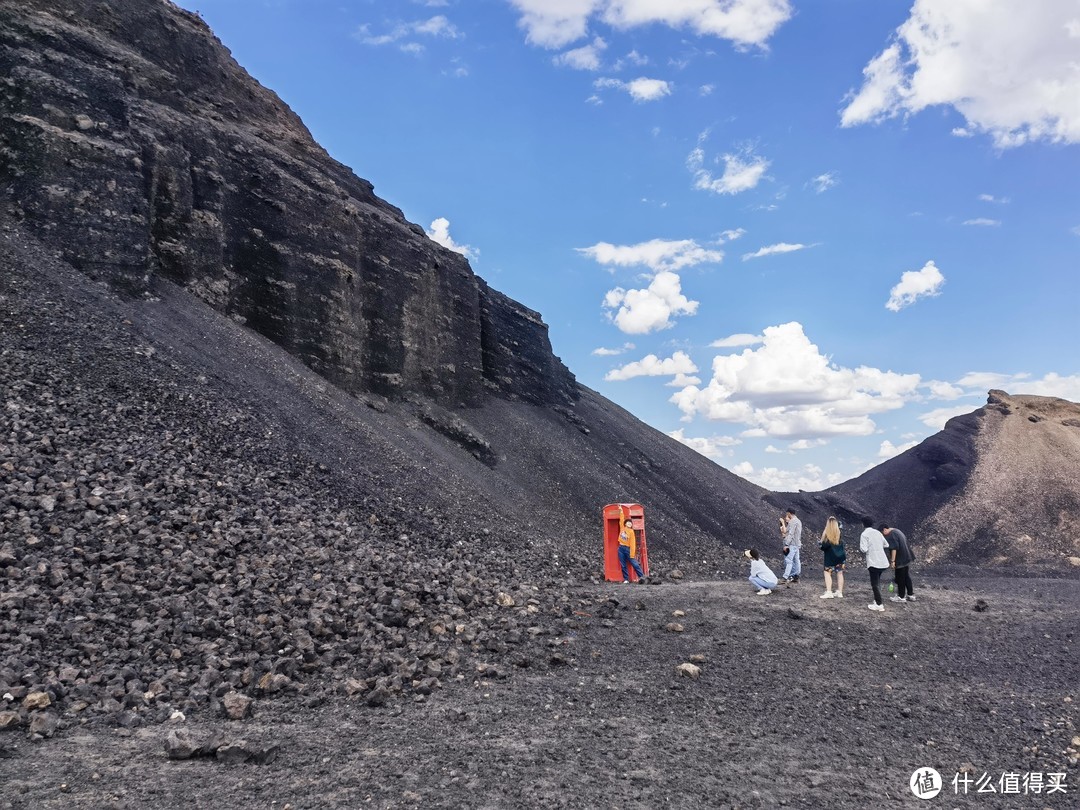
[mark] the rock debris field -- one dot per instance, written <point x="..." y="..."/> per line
<point x="194" y="612"/>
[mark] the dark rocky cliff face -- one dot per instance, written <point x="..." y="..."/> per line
<point x="135" y="146"/>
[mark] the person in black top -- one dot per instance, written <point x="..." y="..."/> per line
<point x="900" y="559"/>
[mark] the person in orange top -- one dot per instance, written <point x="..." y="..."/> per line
<point x="628" y="551"/>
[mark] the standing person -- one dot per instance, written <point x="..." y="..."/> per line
<point x="628" y="552"/>
<point x="792" y="547"/>
<point x="834" y="558"/>
<point x="761" y="576"/>
<point x="900" y="559"/>
<point x="873" y="544"/>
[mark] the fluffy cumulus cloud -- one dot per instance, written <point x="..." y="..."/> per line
<point x="602" y="352"/>
<point x="440" y="232"/>
<point x="913" y="285"/>
<point x="1011" y="75"/>
<point x="770" y="250"/>
<point x="809" y="477"/>
<point x="736" y="341"/>
<point x="638" y="312"/>
<point x="937" y="418"/>
<point x="652" y="366"/>
<point x="708" y="446"/>
<point x="683" y="380"/>
<point x="742" y="172"/>
<point x="887" y="449"/>
<point x="656" y="254"/>
<point x="746" y="23"/>
<point x="940" y="389"/>
<point x="788" y="388"/>
<point x="640" y="89"/>
<point x="587" y="57"/>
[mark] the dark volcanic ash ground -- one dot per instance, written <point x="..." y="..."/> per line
<point x="800" y="702"/>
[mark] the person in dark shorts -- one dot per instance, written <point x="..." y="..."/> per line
<point x="834" y="557"/>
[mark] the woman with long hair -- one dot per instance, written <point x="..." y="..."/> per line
<point x="834" y="558"/>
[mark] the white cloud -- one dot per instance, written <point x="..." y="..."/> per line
<point x="985" y="380"/>
<point x="746" y="23"/>
<point x="440" y="232"/>
<point x="652" y="366"/>
<point x="983" y="221"/>
<point x="742" y="172"/>
<point x="632" y="58"/>
<point x="809" y="477"/>
<point x="438" y="26"/>
<point x="640" y="89"/>
<point x="769" y="250"/>
<point x="823" y="182"/>
<point x="787" y="388"/>
<point x="587" y="57"/>
<point x="639" y="312"/>
<point x="683" y="380"/>
<point x="1052" y="385"/>
<point x="913" y="285"/>
<point x="555" y="23"/>
<point x="773" y="449"/>
<point x="806" y="444"/>
<point x="1012" y="76"/>
<point x="656" y="254"/>
<point x="1075" y="230"/>
<point x="708" y="446"/>
<point x="887" y="449"/>
<point x="706" y="89"/>
<point x="602" y="352"/>
<point x="939" y="416"/>
<point x="990" y="198"/>
<point x="731" y="235"/>
<point x="1065" y="386"/>
<point x="943" y="390"/>
<point x="737" y="340"/>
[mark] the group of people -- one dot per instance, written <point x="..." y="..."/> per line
<point x="885" y="548"/>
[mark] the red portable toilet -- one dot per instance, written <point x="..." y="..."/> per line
<point x="614" y="515"/>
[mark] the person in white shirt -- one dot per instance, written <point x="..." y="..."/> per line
<point x="761" y="576"/>
<point x="873" y="544"/>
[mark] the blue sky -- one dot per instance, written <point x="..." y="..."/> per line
<point x="796" y="235"/>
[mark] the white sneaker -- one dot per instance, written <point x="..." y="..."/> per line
<point x="879" y="608"/>
<point x="896" y="599"/>
<point x="827" y="595"/>
<point x="838" y="594"/>
<point x="910" y="598"/>
<point x="764" y="592"/>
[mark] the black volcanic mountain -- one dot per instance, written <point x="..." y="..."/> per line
<point x="138" y="152"/>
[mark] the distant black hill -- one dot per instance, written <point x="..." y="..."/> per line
<point x="997" y="487"/>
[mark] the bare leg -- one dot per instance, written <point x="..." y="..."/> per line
<point x="828" y="581"/>
<point x="839" y="581"/>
